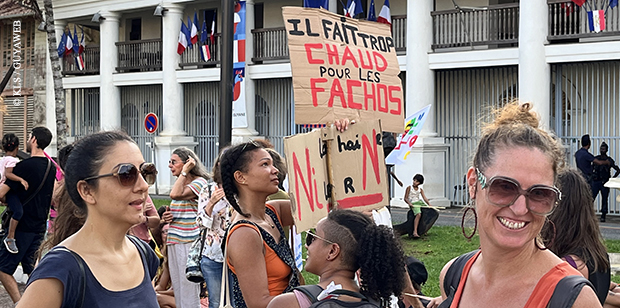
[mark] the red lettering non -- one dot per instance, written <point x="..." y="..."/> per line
<point x="395" y="99"/>
<point x="332" y="54"/>
<point x="309" y="48"/>
<point x="336" y="91"/>
<point x="350" y="84"/>
<point x="315" y="89"/>
<point x="369" y="96"/>
<point x="368" y="66"/>
<point x="379" y="57"/>
<point x="382" y="97"/>
<point x="348" y="55"/>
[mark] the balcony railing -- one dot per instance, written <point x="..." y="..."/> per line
<point x="399" y="33"/>
<point x="191" y="57"/>
<point x="568" y="21"/>
<point x="139" y="56"/>
<point x="491" y="25"/>
<point x="91" y="63"/>
<point x="270" y="44"/>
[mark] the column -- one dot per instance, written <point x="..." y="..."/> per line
<point x="427" y="157"/>
<point x="243" y="134"/>
<point x="173" y="135"/>
<point x="109" y="94"/>
<point x="534" y="71"/>
<point x="50" y="101"/>
<point x="333" y="6"/>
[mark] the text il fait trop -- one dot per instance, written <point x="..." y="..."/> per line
<point x="356" y="58"/>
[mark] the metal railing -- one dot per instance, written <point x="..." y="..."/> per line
<point x="399" y="33"/>
<point x="91" y="63"/>
<point x="139" y="56"/>
<point x="568" y="21"/>
<point x="270" y="44"/>
<point x="192" y="58"/>
<point x="491" y="25"/>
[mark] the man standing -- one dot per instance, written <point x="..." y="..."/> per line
<point x="585" y="159"/>
<point x="31" y="228"/>
<point x="600" y="176"/>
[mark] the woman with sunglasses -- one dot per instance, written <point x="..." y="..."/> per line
<point x="344" y="242"/>
<point x="99" y="265"/>
<point x="191" y="178"/>
<point x="512" y="184"/>
<point x="573" y="233"/>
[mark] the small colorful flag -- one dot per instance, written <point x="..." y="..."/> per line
<point x="354" y="7"/>
<point x="82" y="43"/>
<point x="190" y="32"/>
<point x="385" y="17"/>
<point x="195" y="29"/>
<point x="76" y="42"/>
<point x="205" y="53"/>
<point x="212" y="36"/>
<point x="183" y="35"/>
<point x="69" y="46"/>
<point x="79" y="60"/>
<point x="596" y="20"/>
<point x="62" y="45"/>
<point x="371" y="12"/>
<point x="568" y="7"/>
<point x="317" y="4"/>
<point x="579" y="2"/>
<point x="613" y="3"/>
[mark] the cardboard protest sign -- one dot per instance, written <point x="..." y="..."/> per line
<point x="413" y="126"/>
<point x="343" y="68"/>
<point x="357" y="166"/>
<point x="307" y="178"/>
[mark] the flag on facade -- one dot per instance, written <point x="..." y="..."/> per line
<point x="62" y="45"/>
<point x="371" y="12"/>
<point x="82" y="43"/>
<point x="205" y="53"/>
<point x="238" y="51"/>
<point x="183" y="35"/>
<point x="195" y="29"/>
<point x="579" y="2"/>
<point x="69" y="45"/>
<point x="596" y="20"/>
<point x="385" y="16"/>
<point x="191" y="32"/>
<point x="317" y="4"/>
<point x="353" y="8"/>
<point x="568" y="7"/>
<point x="212" y="36"/>
<point x="76" y="42"/>
<point x="79" y="61"/>
<point x="613" y="3"/>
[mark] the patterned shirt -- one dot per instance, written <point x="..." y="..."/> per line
<point x="183" y="228"/>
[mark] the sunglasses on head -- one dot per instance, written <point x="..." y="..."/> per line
<point x="310" y="237"/>
<point x="127" y="174"/>
<point x="503" y="191"/>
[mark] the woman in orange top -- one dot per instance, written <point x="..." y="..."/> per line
<point x="515" y="168"/>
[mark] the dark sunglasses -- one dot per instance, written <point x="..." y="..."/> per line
<point x="310" y="237"/>
<point x="127" y="174"/>
<point x="504" y="191"/>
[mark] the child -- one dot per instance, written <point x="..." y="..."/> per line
<point x="10" y="145"/>
<point x="412" y="198"/>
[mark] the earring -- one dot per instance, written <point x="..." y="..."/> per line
<point x="470" y="206"/>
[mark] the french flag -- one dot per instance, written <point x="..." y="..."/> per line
<point x="385" y="17"/>
<point x="182" y="38"/>
<point x="238" y="51"/>
<point x="79" y="60"/>
<point x="212" y="34"/>
<point x="195" y="29"/>
<point x="596" y="20"/>
<point x="82" y="43"/>
<point x="69" y="46"/>
<point x="354" y="7"/>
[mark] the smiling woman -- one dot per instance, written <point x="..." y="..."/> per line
<point x="99" y="265"/>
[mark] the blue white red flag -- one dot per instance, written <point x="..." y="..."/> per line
<point x="317" y="4"/>
<point x="205" y="53"/>
<point x="596" y="20"/>
<point x="613" y="3"/>
<point x="212" y="35"/>
<point x="82" y="44"/>
<point x="385" y="17"/>
<point x="194" y="37"/>
<point x="76" y="42"/>
<point x="371" y="12"/>
<point x="69" y="44"/>
<point x="353" y="8"/>
<point x="579" y="2"/>
<point x="183" y="35"/>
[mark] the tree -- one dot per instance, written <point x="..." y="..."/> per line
<point x="59" y="91"/>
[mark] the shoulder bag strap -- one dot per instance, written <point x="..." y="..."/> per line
<point x="80" y="263"/>
<point x="225" y="291"/>
<point x="47" y="172"/>
<point x="567" y="290"/>
<point x="453" y="277"/>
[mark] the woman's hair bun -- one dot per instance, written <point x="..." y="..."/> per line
<point x="516" y="113"/>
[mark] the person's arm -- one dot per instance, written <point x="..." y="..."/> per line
<point x="597" y="161"/>
<point x="43" y="293"/>
<point x="284" y="211"/>
<point x="613" y="297"/>
<point x="408" y="300"/>
<point x="164" y="280"/>
<point x="284" y="300"/>
<point x="424" y="197"/>
<point x="246" y="254"/>
<point x="442" y="276"/>
<point x="406" y="198"/>
<point x="8" y="172"/>
<point x="216" y="196"/>
<point x="614" y="166"/>
<point x="587" y="299"/>
<point x="179" y="190"/>
<point x="150" y="214"/>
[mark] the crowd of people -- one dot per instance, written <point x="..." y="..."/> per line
<point x="110" y="246"/>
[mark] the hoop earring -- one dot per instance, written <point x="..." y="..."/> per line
<point x="542" y="240"/>
<point x="473" y="209"/>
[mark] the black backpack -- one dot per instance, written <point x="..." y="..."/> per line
<point x="564" y="295"/>
<point x="312" y="291"/>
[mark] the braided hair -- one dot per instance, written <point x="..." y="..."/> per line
<point x="236" y="158"/>
<point x="362" y="243"/>
<point x="10" y="142"/>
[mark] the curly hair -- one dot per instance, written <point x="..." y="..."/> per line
<point x="10" y="142"/>
<point x="199" y="169"/>
<point x="576" y="228"/>
<point x="236" y="158"/>
<point x="362" y="243"/>
<point x="517" y="125"/>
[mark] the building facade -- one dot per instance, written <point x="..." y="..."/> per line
<point x="464" y="60"/>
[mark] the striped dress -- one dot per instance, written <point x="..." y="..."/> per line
<point x="183" y="228"/>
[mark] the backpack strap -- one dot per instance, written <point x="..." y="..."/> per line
<point x="351" y="294"/>
<point x="567" y="290"/>
<point x="80" y="263"/>
<point x="453" y="277"/>
<point x="311" y="291"/>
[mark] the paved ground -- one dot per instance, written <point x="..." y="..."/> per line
<point x="448" y="217"/>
